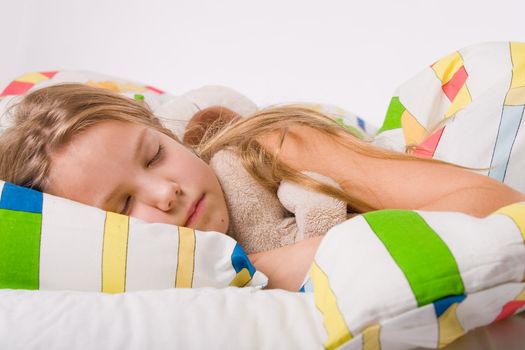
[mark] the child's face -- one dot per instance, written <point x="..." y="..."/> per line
<point x="141" y="172"/>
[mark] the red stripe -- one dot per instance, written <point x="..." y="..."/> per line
<point x="49" y="74"/>
<point x="16" y="88"/>
<point x="158" y="91"/>
<point x="452" y="88"/>
<point x="428" y="147"/>
<point x="510" y="309"/>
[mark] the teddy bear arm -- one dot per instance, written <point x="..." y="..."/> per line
<point x="257" y="219"/>
<point x="315" y="213"/>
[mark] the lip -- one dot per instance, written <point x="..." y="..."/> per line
<point x="195" y="211"/>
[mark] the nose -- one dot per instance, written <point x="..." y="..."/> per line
<point x="165" y="194"/>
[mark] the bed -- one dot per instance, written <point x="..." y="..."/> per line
<point x="425" y="279"/>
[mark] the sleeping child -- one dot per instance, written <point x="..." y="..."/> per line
<point x="97" y="147"/>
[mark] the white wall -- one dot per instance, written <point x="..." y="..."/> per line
<point x="349" y="53"/>
<point x="12" y="32"/>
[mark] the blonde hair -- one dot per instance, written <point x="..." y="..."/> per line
<point x="240" y="137"/>
<point x="47" y="119"/>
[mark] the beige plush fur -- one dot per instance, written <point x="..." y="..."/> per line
<point x="260" y="220"/>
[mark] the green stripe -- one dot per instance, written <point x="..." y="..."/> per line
<point x="424" y="258"/>
<point x="19" y="249"/>
<point x="393" y="115"/>
<point x="350" y="128"/>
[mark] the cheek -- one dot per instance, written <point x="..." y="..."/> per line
<point x="193" y="169"/>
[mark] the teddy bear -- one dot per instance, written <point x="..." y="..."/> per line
<point x="259" y="220"/>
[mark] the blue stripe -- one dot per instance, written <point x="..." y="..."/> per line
<point x="508" y="129"/>
<point x="21" y="199"/>
<point x="307" y="287"/>
<point x="441" y="305"/>
<point x="361" y="123"/>
<point x="240" y="260"/>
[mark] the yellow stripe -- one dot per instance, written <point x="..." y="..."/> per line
<point x="33" y="77"/>
<point x="515" y="97"/>
<point x="186" y="258"/>
<point x="449" y="326"/>
<point x="413" y="131"/>
<point x="521" y="296"/>
<point x="516" y="212"/>
<point x="114" y="253"/>
<point x="446" y="67"/>
<point x="326" y="302"/>
<point x="517" y="52"/>
<point x="241" y="278"/>
<point x="371" y="338"/>
<point x="461" y="100"/>
<point x="340" y="111"/>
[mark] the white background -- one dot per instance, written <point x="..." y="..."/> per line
<point x="349" y="53"/>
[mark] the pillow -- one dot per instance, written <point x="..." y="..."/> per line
<point x="34" y="80"/>
<point x="466" y="108"/>
<point x="396" y="279"/>
<point x="174" y="111"/>
<point x="53" y="243"/>
<point x="351" y="122"/>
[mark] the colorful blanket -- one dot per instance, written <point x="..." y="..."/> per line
<point x="396" y="279"/>
<point x="466" y="108"/>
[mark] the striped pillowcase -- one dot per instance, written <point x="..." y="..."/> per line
<point x="56" y="244"/>
<point x="466" y="108"/>
<point x="394" y="278"/>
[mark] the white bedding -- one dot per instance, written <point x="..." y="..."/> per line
<point x="359" y="300"/>
<point x="205" y="318"/>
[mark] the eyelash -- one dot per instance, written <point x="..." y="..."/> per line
<point x="152" y="161"/>
<point x="156" y="157"/>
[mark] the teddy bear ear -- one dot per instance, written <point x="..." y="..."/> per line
<point x="211" y="119"/>
<point x="218" y="105"/>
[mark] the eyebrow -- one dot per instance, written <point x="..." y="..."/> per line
<point x="138" y="147"/>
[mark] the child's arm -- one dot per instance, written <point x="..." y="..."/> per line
<point x="392" y="183"/>
<point x="286" y="267"/>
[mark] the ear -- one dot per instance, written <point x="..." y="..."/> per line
<point x="214" y="117"/>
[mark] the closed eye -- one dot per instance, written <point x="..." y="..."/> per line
<point x="156" y="157"/>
